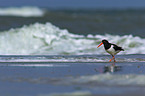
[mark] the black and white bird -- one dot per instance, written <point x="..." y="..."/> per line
<point x="111" y="48"/>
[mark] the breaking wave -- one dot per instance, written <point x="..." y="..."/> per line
<point x="22" y="11"/>
<point x="48" y="39"/>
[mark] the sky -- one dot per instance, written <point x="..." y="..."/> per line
<point x="75" y="3"/>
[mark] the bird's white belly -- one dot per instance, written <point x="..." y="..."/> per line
<point x="112" y="51"/>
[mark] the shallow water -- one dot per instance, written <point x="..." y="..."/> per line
<point x="73" y="65"/>
<point x="50" y="75"/>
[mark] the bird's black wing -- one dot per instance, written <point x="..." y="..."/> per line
<point x="117" y="48"/>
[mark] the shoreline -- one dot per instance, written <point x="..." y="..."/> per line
<point x="87" y="78"/>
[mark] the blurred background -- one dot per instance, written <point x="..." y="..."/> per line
<point x="86" y="23"/>
<point x="118" y="17"/>
<point x="55" y="4"/>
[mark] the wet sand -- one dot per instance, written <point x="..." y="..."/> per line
<point x="25" y="76"/>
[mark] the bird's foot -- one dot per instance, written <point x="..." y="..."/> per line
<point x="110" y="60"/>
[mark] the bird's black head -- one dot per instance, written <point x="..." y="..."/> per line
<point x="104" y="41"/>
<point x="107" y="45"/>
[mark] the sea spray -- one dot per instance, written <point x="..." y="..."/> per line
<point x="48" y="39"/>
<point x="25" y="11"/>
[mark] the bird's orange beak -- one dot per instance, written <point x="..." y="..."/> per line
<point x="100" y="44"/>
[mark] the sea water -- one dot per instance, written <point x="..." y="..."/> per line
<point x="48" y="39"/>
<point x="58" y="75"/>
<point x="54" y="52"/>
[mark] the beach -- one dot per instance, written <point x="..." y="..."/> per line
<point x="81" y="75"/>
<point x="48" y="52"/>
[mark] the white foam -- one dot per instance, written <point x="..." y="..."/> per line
<point x="36" y="65"/>
<point x="48" y="39"/>
<point x="41" y="39"/>
<point x="22" y="11"/>
<point x="92" y="80"/>
<point x="110" y="79"/>
<point x="77" y="93"/>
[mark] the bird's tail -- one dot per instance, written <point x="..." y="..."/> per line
<point x="122" y="49"/>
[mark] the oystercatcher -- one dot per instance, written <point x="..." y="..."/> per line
<point x="111" y="48"/>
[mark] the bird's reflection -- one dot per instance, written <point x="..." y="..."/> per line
<point x="112" y="68"/>
<point x="109" y="69"/>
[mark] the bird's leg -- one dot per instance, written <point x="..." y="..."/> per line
<point x="112" y="59"/>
